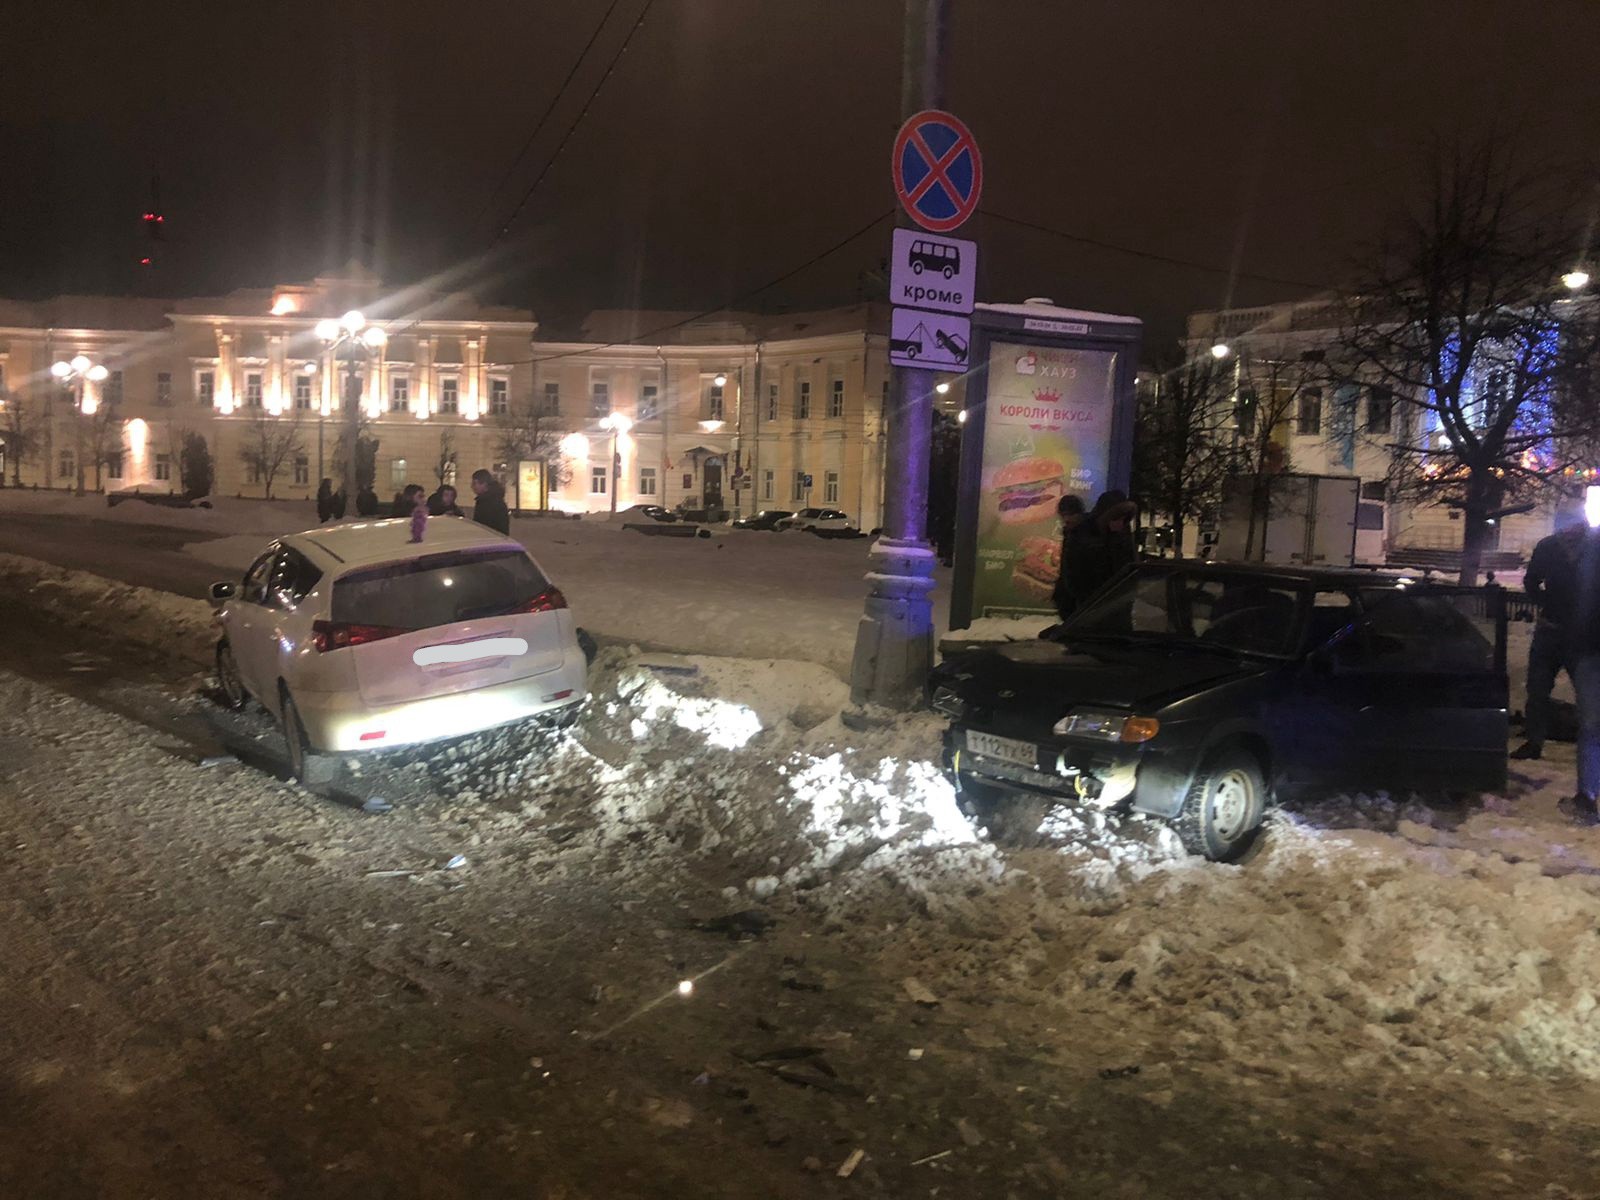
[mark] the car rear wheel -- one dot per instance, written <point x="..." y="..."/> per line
<point x="305" y="765"/>
<point x="1011" y="817"/>
<point x="1223" y="811"/>
<point x="230" y="685"/>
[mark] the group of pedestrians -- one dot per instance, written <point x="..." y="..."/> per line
<point x="489" y="502"/>
<point x="1095" y="546"/>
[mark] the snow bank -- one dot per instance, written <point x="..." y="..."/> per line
<point x="226" y="514"/>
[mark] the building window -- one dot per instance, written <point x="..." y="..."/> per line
<point x="597" y="481"/>
<point x="688" y="481"/>
<point x="649" y="402"/>
<point x="1309" y="422"/>
<point x="799" y="485"/>
<point x="205" y="388"/>
<point x="802" y="404"/>
<point x="830" y="487"/>
<point x="163" y="388"/>
<point x="399" y="394"/>
<point x="499" y="397"/>
<point x="113" y="396"/>
<point x="714" y="403"/>
<point x="1380" y="410"/>
<point x="1375" y="489"/>
<point x="114" y="466"/>
<point x="302" y="391"/>
<point x="599" y="398"/>
<point x="647" y="481"/>
<point x="1244" y="415"/>
<point x="397" y="473"/>
<point x="64" y="465"/>
<point x="552" y="400"/>
<point x="836" y="398"/>
<point x="252" y="472"/>
<point x="772" y="405"/>
<point x="252" y="389"/>
<point x="449" y="395"/>
<point x="163" y="467"/>
<point x="302" y="469"/>
<point x="767" y="484"/>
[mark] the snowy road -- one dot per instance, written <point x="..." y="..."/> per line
<point x="218" y="984"/>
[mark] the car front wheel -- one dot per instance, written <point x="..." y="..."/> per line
<point x="230" y="684"/>
<point x="1223" y="811"/>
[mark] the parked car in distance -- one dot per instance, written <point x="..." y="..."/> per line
<point x="767" y="519"/>
<point x="652" y="511"/>
<point x="357" y="639"/>
<point x="1199" y="693"/>
<point x="817" y="520"/>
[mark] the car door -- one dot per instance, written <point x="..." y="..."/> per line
<point x="280" y="633"/>
<point x="247" y="623"/>
<point x="1432" y="689"/>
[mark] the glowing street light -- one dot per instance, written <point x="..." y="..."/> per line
<point x="942" y="388"/>
<point x="1220" y="350"/>
<point x="81" y="369"/>
<point x="1576" y="279"/>
<point x="618" y="424"/>
<point x="720" y="379"/>
<point x="352" y="321"/>
<point x="352" y="329"/>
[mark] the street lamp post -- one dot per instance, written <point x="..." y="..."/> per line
<point x="617" y="423"/>
<point x="80" y="371"/>
<point x="350" y="330"/>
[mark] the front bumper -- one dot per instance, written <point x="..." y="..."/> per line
<point x="1104" y="776"/>
<point x="336" y="721"/>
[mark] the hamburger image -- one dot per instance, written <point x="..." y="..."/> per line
<point x="1027" y="490"/>
<point x="1038" y="567"/>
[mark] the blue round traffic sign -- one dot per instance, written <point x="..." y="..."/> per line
<point x="938" y="172"/>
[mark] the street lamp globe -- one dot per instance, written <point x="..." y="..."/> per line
<point x="721" y="380"/>
<point x="1221" y="350"/>
<point x="942" y="388"/>
<point x="1576" y="279"/>
<point x="81" y="363"/>
<point x="618" y="422"/>
<point x="374" y="336"/>
<point x="61" y="369"/>
<point x="327" y="329"/>
<point x="98" y="373"/>
<point x="310" y="368"/>
<point x="353" y="321"/>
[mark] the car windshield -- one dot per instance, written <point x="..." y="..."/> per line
<point x="437" y="589"/>
<point x="1220" y="610"/>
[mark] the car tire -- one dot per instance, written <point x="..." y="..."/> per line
<point x="305" y="764"/>
<point x="1011" y="817"/>
<point x="230" y="684"/>
<point x="1222" y="813"/>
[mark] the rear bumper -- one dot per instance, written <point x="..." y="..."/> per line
<point x="335" y="721"/>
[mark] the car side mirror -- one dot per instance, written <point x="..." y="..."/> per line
<point x="223" y="591"/>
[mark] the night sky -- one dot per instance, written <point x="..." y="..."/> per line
<point x="738" y="138"/>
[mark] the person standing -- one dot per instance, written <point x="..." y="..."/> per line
<point x="1583" y="666"/>
<point x="443" y="503"/>
<point x="405" y="501"/>
<point x="1071" y="512"/>
<point x="1099" y="548"/>
<point x="490" y="508"/>
<point x="324" y="501"/>
<point x="1551" y="582"/>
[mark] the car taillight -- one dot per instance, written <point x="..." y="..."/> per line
<point x="335" y="635"/>
<point x="546" y="601"/>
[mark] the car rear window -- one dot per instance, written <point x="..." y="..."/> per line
<point x="437" y="589"/>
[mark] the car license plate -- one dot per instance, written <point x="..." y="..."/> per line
<point x="1024" y="754"/>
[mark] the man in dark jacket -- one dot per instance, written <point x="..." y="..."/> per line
<point x="1583" y="665"/>
<point x="443" y="503"/>
<point x="1070" y="511"/>
<point x="1551" y="582"/>
<point x="490" y="508"/>
<point x="405" y="501"/>
<point x="324" y="501"/>
<point x="1099" y="548"/>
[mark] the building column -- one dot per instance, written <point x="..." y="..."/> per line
<point x="471" y="362"/>
<point x="226" y="363"/>
<point x="422" y="377"/>
<point x="275" y="399"/>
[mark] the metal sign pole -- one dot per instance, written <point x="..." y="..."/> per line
<point x="894" y="642"/>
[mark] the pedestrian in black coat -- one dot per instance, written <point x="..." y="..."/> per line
<point x="1099" y="548"/>
<point x="490" y="508"/>
<point x="324" y="501"/>
<point x="405" y="501"/>
<point x="443" y="503"/>
<point x="336" y="505"/>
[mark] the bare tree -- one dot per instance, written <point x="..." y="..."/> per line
<point x="444" y="467"/>
<point x="1463" y="317"/>
<point x="22" y="432"/>
<point x="1184" y="447"/>
<point x="527" y="433"/>
<point x="269" y="444"/>
<point x="1278" y="388"/>
<point x="104" y="442"/>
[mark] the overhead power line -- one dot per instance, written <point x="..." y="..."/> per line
<point x="544" y="117"/>
<point x="650" y="335"/>
<point x="1150" y="255"/>
<point x="576" y="121"/>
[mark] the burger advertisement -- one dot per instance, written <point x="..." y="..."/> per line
<point x="1046" y="434"/>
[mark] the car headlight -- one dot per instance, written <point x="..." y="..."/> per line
<point x="946" y="700"/>
<point x="1102" y="726"/>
